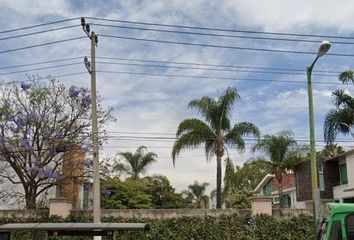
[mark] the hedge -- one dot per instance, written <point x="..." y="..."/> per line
<point x="261" y="227"/>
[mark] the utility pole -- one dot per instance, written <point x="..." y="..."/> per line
<point x="91" y="67"/>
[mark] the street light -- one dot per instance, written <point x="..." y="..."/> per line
<point x="324" y="47"/>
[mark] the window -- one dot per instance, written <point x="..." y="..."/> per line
<point x="343" y="174"/>
<point x="267" y="189"/>
<point x="349" y="222"/>
<point x="336" y="231"/>
<point x="321" y="177"/>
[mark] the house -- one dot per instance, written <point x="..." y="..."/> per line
<point x="269" y="187"/>
<point x="335" y="178"/>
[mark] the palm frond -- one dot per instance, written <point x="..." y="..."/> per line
<point x="337" y="121"/>
<point x="235" y="136"/>
<point x="340" y="98"/>
<point x="346" y="77"/>
<point x="193" y="124"/>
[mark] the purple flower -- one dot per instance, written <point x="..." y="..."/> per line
<point x="89" y="163"/>
<point x="33" y="170"/>
<point x="7" y="103"/>
<point x="20" y="123"/>
<point x="86" y="101"/>
<point x="55" y="175"/>
<point x="74" y="92"/>
<point x="32" y="117"/>
<point x="25" y="86"/>
<point x="26" y="144"/>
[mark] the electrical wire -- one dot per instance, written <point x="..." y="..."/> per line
<point x="222" y="46"/>
<point x="212" y="77"/>
<point x="221" y="29"/>
<point x="39" y="25"/>
<point x="212" y="69"/>
<point x="39" y="32"/>
<point x="210" y="65"/>
<point x="41" y="68"/>
<point x="42" y="62"/>
<point x="40" y="45"/>
<point x="218" y="35"/>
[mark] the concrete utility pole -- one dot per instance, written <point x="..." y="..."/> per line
<point x="91" y="67"/>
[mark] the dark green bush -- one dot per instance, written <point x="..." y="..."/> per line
<point x="261" y="227"/>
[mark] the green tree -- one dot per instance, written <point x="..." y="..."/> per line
<point x="245" y="177"/>
<point x="283" y="154"/>
<point x="340" y="118"/>
<point x="196" y="194"/>
<point x="214" y="132"/>
<point x="163" y="194"/>
<point x="135" y="164"/>
<point x="128" y="194"/>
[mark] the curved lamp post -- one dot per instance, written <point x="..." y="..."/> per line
<point x="324" y="47"/>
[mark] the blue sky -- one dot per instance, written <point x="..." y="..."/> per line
<point x="150" y="104"/>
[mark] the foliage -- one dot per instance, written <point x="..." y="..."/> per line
<point x="242" y="199"/>
<point x="214" y="132"/>
<point x="245" y="177"/>
<point x="261" y="227"/>
<point x="163" y="195"/>
<point x="329" y="151"/>
<point x="196" y="194"/>
<point x="340" y="118"/>
<point x="128" y="194"/>
<point x="282" y="154"/>
<point x="38" y="120"/>
<point x="149" y="192"/>
<point x="136" y="163"/>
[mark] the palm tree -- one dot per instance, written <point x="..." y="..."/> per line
<point x="135" y="163"/>
<point x="330" y="150"/>
<point x="196" y="194"/>
<point x="283" y="154"/>
<point x="214" y="132"/>
<point x="340" y="119"/>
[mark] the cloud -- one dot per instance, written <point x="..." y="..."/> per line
<point x="150" y="104"/>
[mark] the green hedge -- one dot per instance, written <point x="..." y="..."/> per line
<point x="261" y="227"/>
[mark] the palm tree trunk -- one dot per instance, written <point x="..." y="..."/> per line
<point x="280" y="181"/>
<point x="218" y="181"/>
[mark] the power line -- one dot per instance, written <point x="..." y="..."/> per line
<point x="218" y="35"/>
<point x="211" y="65"/>
<point x="223" y="46"/>
<point x="39" y="25"/>
<point x="210" y="77"/>
<point x="213" y="69"/>
<point x="42" y="62"/>
<point x="43" y="78"/>
<point x="128" y="133"/>
<point x="40" y="45"/>
<point x="221" y="29"/>
<point x="39" y="32"/>
<point x="165" y="62"/>
<point x="41" y="68"/>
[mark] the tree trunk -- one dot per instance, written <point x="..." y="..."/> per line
<point x="280" y="181"/>
<point x="218" y="181"/>
<point x="30" y="198"/>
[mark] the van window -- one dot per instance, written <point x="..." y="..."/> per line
<point x="336" y="231"/>
<point x="349" y="223"/>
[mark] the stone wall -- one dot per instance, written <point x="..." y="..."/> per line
<point x="149" y="213"/>
<point x="167" y="213"/>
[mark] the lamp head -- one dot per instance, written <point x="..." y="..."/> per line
<point x="324" y="47"/>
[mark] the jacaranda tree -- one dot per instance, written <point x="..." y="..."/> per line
<point x="39" y="120"/>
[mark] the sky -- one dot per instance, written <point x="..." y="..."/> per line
<point x="148" y="109"/>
